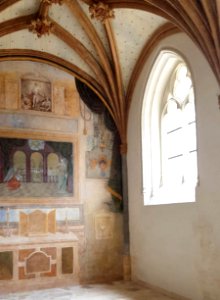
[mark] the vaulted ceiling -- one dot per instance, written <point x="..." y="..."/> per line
<point x="105" y="44"/>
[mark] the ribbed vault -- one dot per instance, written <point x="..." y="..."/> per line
<point x="105" y="45"/>
<point x="89" y="35"/>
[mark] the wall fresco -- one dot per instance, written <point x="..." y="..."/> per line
<point x="36" y="95"/>
<point x="35" y="168"/>
<point x="99" y="146"/>
<point x="46" y="193"/>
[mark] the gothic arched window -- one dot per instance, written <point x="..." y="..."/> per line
<point x="169" y="133"/>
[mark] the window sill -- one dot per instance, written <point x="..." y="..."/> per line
<point x="169" y="195"/>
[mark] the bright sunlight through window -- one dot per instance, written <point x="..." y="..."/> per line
<point x="169" y="147"/>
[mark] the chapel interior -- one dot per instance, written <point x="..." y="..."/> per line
<point x="109" y="149"/>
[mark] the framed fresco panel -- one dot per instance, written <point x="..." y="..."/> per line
<point x="36" y="95"/>
<point x="99" y="150"/>
<point x="98" y="163"/>
<point x="37" y="171"/>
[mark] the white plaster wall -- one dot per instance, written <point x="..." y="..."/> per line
<point x="176" y="246"/>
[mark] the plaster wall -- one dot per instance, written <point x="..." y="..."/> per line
<point x="176" y="247"/>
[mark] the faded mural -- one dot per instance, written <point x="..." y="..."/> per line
<point x="45" y="198"/>
<point x="36" y="95"/>
<point x="35" y="168"/>
<point x="99" y="146"/>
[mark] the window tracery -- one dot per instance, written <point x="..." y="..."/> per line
<point x="169" y="147"/>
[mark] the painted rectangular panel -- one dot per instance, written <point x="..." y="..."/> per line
<point x="52" y="273"/>
<point x="23" y="275"/>
<point x="72" y="106"/>
<point x="6" y="265"/>
<point x="52" y="221"/>
<point x="38" y="262"/>
<point x="59" y="99"/>
<point x="24" y="253"/>
<point x="22" y="120"/>
<point x="36" y="95"/>
<point x="23" y="223"/>
<point x="99" y="150"/>
<point x="36" y="168"/>
<point x="67" y="260"/>
<point x="11" y="91"/>
<point x="50" y="251"/>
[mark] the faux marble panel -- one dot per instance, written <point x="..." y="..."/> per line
<point x="24" y="253"/>
<point x="67" y="260"/>
<point x="38" y="262"/>
<point x="23" y="275"/>
<point x="52" y="221"/>
<point x="52" y="273"/>
<point x="50" y="251"/>
<point x="6" y="265"/>
<point x="23" y="223"/>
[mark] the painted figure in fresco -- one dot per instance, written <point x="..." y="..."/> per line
<point x="45" y="104"/>
<point x="35" y="96"/>
<point x="103" y="166"/>
<point x="36" y="168"/>
<point x="62" y="175"/>
<point x="98" y="164"/>
<point x="12" y="179"/>
<point x="26" y="102"/>
<point x="40" y="101"/>
<point x="93" y="164"/>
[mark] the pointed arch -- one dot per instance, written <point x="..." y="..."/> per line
<point x="167" y="135"/>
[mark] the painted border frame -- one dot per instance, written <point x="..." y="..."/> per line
<point x="61" y="200"/>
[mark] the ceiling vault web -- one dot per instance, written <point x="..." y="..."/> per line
<point x="104" y="75"/>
